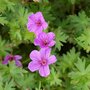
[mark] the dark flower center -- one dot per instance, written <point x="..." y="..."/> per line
<point x="38" y="23"/>
<point x="11" y="58"/>
<point x="43" y="62"/>
<point x="45" y="42"/>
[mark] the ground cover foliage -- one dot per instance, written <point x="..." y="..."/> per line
<point x="69" y="20"/>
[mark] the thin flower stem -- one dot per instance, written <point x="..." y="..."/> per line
<point x="73" y="8"/>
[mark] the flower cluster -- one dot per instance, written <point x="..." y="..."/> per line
<point x="41" y="59"/>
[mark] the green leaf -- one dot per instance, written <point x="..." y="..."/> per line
<point x="68" y="60"/>
<point x="76" y="24"/>
<point x="29" y="36"/>
<point x="84" y="40"/>
<point x="4" y="47"/>
<point x="80" y="76"/>
<point x="25" y="81"/>
<point x="16" y="72"/>
<point x="22" y="15"/>
<point x="4" y="4"/>
<point x="81" y="21"/>
<point x="9" y="85"/>
<point x="61" y="37"/>
<point x="54" y="79"/>
<point x="3" y="20"/>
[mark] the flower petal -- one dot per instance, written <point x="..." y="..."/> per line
<point x="35" y="55"/>
<point x="33" y="66"/>
<point x="31" y="17"/>
<point x="38" y="30"/>
<point x="52" y="43"/>
<point x="52" y="59"/>
<point x="30" y="21"/>
<point x="17" y="57"/>
<point x="44" y="71"/>
<point x="45" y="25"/>
<point x="18" y="63"/>
<point x="36" y="42"/>
<point x="6" y="59"/>
<point x="42" y="36"/>
<point x="31" y="27"/>
<point x="45" y="52"/>
<point x="51" y="36"/>
<point x="39" y="15"/>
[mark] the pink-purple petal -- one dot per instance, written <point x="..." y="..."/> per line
<point x="31" y="17"/>
<point x="6" y="59"/>
<point x="39" y="16"/>
<point x="52" y="59"/>
<point x="39" y="40"/>
<point x="35" y="55"/>
<point x="42" y="36"/>
<point x="31" y="21"/>
<point x="17" y="57"/>
<point x="44" y="71"/>
<point x="52" y="43"/>
<point x="38" y="30"/>
<point x="48" y="51"/>
<point x="36" y="42"/>
<point x="45" y="25"/>
<point x="18" y="63"/>
<point x="32" y="27"/>
<point x="45" y="52"/>
<point x="33" y="66"/>
<point x="51" y="36"/>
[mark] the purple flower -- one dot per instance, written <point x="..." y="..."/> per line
<point x="10" y="57"/>
<point x="41" y="61"/>
<point x="45" y="40"/>
<point x="36" y="23"/>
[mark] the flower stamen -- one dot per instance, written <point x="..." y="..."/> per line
<point x="38" y="23"/>
<point x="43" y="62"/>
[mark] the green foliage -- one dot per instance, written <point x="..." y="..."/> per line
<point x="18" y="31"/>
<point x="80" y="76"/>
<point x="81" y="21"/>
<point x="68" y="60"/>
<point x="27" y="81"/>
<point x="4" y="4"/>
<point x="83" y="40"/>
<point x="9" y="86"/>
<point x="53" y="79"/>
<point x="60" y="38"/>
<point x="70" y="21"/>
<point x="4" y="47"/>
<point x="29" y="36"/>
<point x="15" y="76"/>
<point x="3" y="20"/>
<point x="76" y="24"/>
<point x="22" y="16"/>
